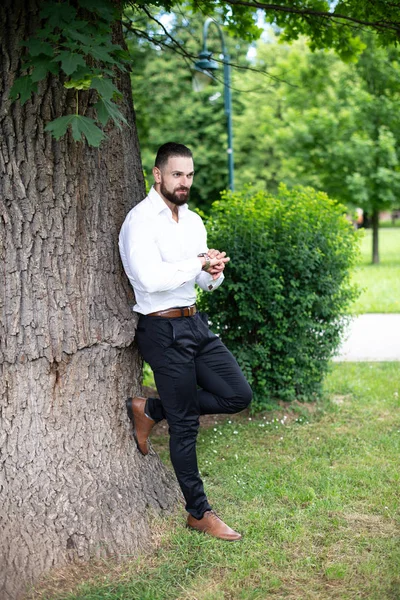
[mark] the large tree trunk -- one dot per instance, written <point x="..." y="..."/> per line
<point x="375" y="236"/>
<point x="72" y="484"/>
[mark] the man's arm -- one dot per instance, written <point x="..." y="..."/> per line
<point x="143" y="262"/>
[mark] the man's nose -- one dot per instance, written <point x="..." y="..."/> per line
<point x="185" y="181"/>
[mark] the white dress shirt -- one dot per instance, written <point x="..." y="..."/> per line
<point x="160" y="255"/>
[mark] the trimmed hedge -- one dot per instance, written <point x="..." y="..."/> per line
<point x="283" y="306"/>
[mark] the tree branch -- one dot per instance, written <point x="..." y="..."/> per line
<point x="308" y="12"/>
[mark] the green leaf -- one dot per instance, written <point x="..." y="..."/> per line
<point x="70" y="62"/>
<point x="59" y="126"/>
<point x="42" y="65"/>
<point x="23" y="87"/>
<point x="36" y="47"/>
<point x="103" y="9"/>
<point x="78" y="84"/>
<point x="81" y="79"/>
<point x="58" y="13"/>
<point x="106" y="110"/>
<point x="100" y="53"/>
<point x="105" y="88"/>
<point x="83" y="126"/>
<point x="103" y="114"/>
<point x="80" y="37"/>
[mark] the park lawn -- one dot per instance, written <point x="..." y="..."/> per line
<point x="313" y="488"/>
<point x="380" y="283"/>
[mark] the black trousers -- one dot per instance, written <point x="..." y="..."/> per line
<point x="195" y="374"/>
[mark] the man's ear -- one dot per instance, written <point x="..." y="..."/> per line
<point x="157" y="174"/>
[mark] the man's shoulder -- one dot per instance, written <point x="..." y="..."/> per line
<point x="194" y="217"/>
<point x="142" y="210"/>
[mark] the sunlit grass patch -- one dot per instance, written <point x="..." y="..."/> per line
<point x="315" y="494"/>
<point x="380" y="283"/>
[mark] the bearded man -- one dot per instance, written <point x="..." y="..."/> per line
<point x="164" y="251"/>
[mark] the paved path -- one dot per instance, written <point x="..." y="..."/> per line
<point x="372" y="337"/>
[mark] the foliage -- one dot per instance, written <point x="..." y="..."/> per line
<point x="75" y="44"/>
<point x="282" y="308"/>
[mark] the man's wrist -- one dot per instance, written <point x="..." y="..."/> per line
<point x="207" y="261"/>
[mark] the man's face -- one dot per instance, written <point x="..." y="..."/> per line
<point x="175" y="179"/>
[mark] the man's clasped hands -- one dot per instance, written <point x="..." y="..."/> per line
<point x="218" y="261"/>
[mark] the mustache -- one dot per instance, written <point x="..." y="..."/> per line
<point x="182" y="189"/>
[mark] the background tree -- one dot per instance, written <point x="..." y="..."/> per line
<point x="331" y="125"/>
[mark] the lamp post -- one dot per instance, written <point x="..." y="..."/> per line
<point x="203" y="75"/>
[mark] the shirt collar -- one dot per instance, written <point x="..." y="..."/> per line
<point x="159" y="205"/>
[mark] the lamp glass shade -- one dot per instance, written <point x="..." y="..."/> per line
<point x="201" y="79"/>
<point x="203" y="71"/>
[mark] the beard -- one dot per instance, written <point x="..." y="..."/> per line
<point x="177" y="197"/>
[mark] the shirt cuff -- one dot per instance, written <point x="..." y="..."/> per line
<point x="207" y="283"/>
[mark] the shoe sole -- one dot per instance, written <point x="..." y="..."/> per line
<point x="214" y="536"/>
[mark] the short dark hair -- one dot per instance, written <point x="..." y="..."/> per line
<point x="171" y="149"/>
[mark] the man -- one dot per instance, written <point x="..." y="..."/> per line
<point x="163" y="247"/>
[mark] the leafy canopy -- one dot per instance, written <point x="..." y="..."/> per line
<point x="75" y="43"/>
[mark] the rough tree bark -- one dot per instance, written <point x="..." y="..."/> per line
<point x="72" y="484"/>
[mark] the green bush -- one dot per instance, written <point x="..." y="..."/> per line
<point x="283" y="306"/>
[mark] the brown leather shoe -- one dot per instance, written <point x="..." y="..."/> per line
<point x="212" y="524"/>
<point x="142" y="424"/>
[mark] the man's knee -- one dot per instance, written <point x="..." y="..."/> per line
<point x="246" y="396"/>
<point x="243" y="397"/>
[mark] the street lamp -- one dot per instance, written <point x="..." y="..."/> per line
<point x="204" y="70"/>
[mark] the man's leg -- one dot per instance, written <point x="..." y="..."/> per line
<point x="169" y="346"/>
<point x="223" y="387"/>
<point x="176" y="384"/>
<point x="177" y="388"/>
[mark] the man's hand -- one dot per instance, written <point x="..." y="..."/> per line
<point x="216" y="269"/>
<point x="218" y="261"/>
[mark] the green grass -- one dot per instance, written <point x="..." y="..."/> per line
<point x="316" y="495"/>
<point x="380" y="283"/>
